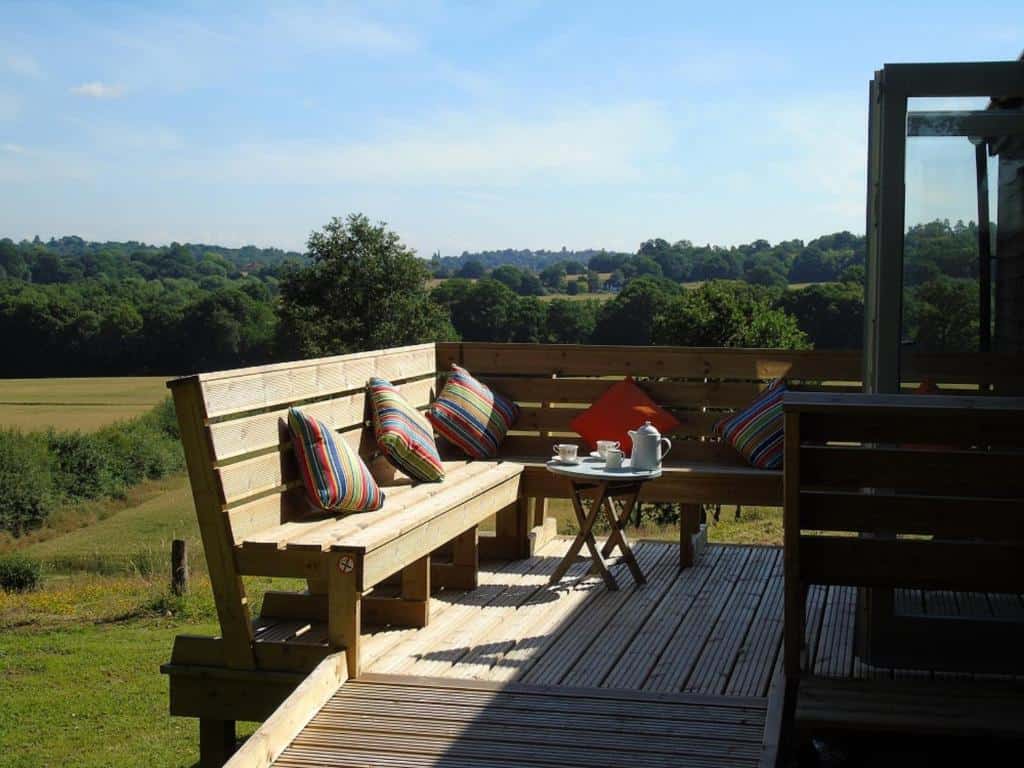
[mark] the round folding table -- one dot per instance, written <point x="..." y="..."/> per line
<point x="607" y="488"/>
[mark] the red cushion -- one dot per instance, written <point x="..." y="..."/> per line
<point x="624" y="406"/>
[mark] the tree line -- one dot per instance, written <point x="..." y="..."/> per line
<point x="73" y="308"/>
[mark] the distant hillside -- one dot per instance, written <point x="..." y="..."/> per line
<point x="73" y="247"/>
<point x="535" y="261"/>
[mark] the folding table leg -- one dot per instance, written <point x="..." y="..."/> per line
<point x="617" y="535"/>
<point x="586" y="536"/>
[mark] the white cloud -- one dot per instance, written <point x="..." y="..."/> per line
<point x="98" y="90"/>
<point x="14" y="149"/>
<point x="23" y="65"/>
<point x="607" y="143"/>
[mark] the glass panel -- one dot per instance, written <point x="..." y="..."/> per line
<point x="963" y="167"/>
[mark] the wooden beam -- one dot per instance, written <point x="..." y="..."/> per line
<point x="268" y="742"/>
<point x="228" y="590"/>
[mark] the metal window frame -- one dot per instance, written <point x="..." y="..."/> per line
<point x="889" y="91"/>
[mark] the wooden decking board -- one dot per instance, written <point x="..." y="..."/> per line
<point x="439" y="658"/>
<point x="716" y="662"/>
<point x="577" y="638"/>
<point x="835" y="644"/>
<point x="464" y="609"/>
<point x="973" y="604"/>
<point x="634" y="665"/>
<point x="408" y="722"/>
<point x="513" y="625"/>
<point x="628" y="719"/>
<point x="619" y="630"/>
<point x="675" y="664"/>
<point x="1006" y="606"/>
<point x="752" y="672"/>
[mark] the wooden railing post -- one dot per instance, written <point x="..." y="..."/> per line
<point x="179" y="567"/>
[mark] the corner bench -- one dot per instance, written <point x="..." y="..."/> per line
<point x="376" y="567"/>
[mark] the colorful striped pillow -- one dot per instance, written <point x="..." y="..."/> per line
<point x="403" y="435"/>
<point x="757" y="431"/>
<point x="336" y="479"/>
<point x="471" y="416"/>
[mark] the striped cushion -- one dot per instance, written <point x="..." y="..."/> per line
<point x="471" y="416"/>
<point x="403" y="435"/>
<point x="336" y="479"/>
<point x="757" y="431"/>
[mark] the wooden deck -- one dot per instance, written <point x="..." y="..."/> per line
<point x="517" y="672"/>
<point x="714" y="629"/>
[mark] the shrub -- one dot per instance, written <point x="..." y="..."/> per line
<point x="18" y="573"/>
<point x="27" y="492"/>
<point x="83" y="465"/>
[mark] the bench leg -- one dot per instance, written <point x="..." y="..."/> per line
<point x="344" y="621"/>
<point x="216" y="742"/>
<point x="511" y="533"/>
<point x="689" y="524"/>
<point x="462" y="572"/>
<point x="411" y="608"/>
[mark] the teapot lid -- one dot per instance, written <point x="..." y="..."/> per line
<point x="648" y="429"/>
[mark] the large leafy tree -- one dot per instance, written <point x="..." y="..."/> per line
<point x="832" y="315"/>
<point x="727" y="314"/>
<point x="363" y="290"/>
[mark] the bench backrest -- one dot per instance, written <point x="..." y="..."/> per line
<point x="239" y="457"/>
<point x="935" y="481"/>
<point x="554" y="383"/>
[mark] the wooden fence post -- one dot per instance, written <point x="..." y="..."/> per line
<point x="179" y="567"/>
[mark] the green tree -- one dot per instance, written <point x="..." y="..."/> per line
<point x="553" y="277"/>
<point x="472" y="270"/>
<point x="571" y="322"/>
<point x="945" y="313"/>
<point x="629" y="318"/>
<point x="726" y="314"/>
<point x="831" y="314"/>
<point x="364" y="290"/>
<point x="510" y="276"/>
<point x="573" y="287"/>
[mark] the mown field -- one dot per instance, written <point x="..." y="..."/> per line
<point x="80" y="656"/>
<point x="85" y="404"/>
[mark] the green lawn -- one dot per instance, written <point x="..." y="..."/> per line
<point x="86" y="404"/>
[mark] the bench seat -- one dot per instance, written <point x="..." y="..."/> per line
<point x="415" y="519"/>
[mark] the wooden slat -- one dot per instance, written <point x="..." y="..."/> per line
<point x="978" y="473"/>
<point x="678" y="362"/>
<point x="250" y="434"/>
<point x="268" y="472"/>
<point x="912" y="706"/>
<point x="228" y="590"/>
<point x="249" y="389"/>
<point x="412" y="724"/>
<point x="980" y="567"/>
<point x="912" y="513"/>
<point x="718" y="658"/>
<point x="693" y="423"/>
<point x="677" y="661"/>
<point x="270" y="739"/>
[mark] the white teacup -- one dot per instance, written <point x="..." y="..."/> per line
<point x="613" y="458"/>
<point x="603" y="447"/>
<point x="567" y="451"/>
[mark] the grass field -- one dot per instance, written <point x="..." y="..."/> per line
<point x="68" y="404"/>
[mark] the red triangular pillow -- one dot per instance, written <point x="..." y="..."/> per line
<point x="624" y="406"/>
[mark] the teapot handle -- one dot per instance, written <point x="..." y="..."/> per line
<point x="668" y="446"/>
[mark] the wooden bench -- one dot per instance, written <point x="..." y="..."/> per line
<point x="911" y="492"/>
<point x="555" y="383"/>
<point x="254" y="521"/>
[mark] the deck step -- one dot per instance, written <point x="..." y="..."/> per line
<point x="400" y="720"/>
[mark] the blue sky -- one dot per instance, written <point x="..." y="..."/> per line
<point x="465" y="125"/>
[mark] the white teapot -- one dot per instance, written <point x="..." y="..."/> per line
<point x="647" y="441"/>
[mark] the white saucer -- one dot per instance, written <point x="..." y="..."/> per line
<point x="566" y="462"/>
